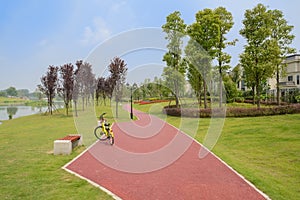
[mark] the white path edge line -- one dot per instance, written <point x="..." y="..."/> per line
<point x="222" y="161"/>
<point x="116" y="197"/>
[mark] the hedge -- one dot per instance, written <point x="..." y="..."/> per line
<point x="231" y="112"/>
<point x="269" y="103"/>
<point x="151" y="101"/>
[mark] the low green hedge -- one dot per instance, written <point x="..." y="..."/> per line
<point x="231" y="112"/>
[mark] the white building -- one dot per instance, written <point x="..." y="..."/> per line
<point x="290" y="82"/>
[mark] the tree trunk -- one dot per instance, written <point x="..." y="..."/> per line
<point x="75" y="105"/>
<point x="50" y="105"/>
<point x="258" y="94"/>
<point x="253" y="94"/>
<point x="117" y="110"/>
<point x="176" y="93"/>
<point x="277" y="86"/>
<point x="205" y="97"/>
<point x="220" y="79"/>
<point x="104" y="101"/>
<point x="82" y="103"/>
<point x="67" y="108"/>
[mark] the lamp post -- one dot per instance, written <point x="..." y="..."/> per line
<point x="131" y="112"/>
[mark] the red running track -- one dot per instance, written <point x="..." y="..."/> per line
<point x="153" y="160"/>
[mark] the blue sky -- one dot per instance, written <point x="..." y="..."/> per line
<point x="35" y="34"/>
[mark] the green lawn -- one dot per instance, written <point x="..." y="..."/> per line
<point x="6" y="100"/>
<point x="264" y="149"/>
<point x="29" y="170"/>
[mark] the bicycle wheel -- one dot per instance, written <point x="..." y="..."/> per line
<point x="99" y="133"/>
<point x="111" y="140"/>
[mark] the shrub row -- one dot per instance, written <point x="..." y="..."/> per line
<point x="231" y="112"/>
<point x="150" y="101"/>
<point x="274" y="103"/>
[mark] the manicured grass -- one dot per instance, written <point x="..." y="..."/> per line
<point x="18" y="101"/>
<point x="29" y="170"/>
<point x="263" y="149"/>
<point x="266" y="151"/>
<point x="6" y="100"/>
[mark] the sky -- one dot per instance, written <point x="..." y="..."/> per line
<point x="35" y="34"/>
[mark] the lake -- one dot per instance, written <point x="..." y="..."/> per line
<point x="19" y="111"/>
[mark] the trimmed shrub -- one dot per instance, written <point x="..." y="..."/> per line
<point x="232" y="112"/>
<point x="151" y="101"/>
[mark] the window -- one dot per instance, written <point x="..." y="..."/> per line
<point x="298" y="79"/>
<point x="290" y="78"/>
<point x="243" y="85"/>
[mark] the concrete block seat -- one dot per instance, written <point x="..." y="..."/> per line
<point x="66" y="144"/>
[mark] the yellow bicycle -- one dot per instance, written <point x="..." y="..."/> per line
<point x="104" y="130"/>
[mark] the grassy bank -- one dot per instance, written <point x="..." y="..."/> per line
<point x="5" y="101"/>
<point x="263" y="149"/>
<point x="11" y="101"/>
<point x="29" y="170"/>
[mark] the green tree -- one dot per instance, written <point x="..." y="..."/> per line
<point x="172" y="76"/>
<point x="195" y="79"/>
<point x="225" y="22"/>
<point x="11" y="91"/>
<point x="236" y="74"/>
<point x="23" y="93"/>
<point x="175" y="29"/>
<point x="260" y="49"/>
<point x="230" y="88"/>
<point x="11" y="111"/>
<point x="205" y="35"/>
<point x="3" y="93"/>
<point x="281" y="34"/>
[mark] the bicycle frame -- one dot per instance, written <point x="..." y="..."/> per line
<point x="106" y="128"/>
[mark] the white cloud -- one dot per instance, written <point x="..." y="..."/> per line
<point x="96" y="33"/>
<point x="43" y="42"/>
<point x="116" y="7"/>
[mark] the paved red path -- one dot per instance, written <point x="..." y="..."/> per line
<point x="153" y="160"/>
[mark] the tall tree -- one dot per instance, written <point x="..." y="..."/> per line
<point x="236" y="74"/>
<point x="225" y="22"/>
<point x="260" y="49"/>
<point x="85" y="82"/>
<point x="12" y="91"/>
<point x="66" y="86"/>
<point x="281" y="34"/>
<point x="172" y="76"/>
<point x="205" y="35"/>
<point x="100" y="90"/>
<point x="175" y="29"/>
<point x="49" y="84"/>
<point x="77" y="85"/>
<point x="196" y="82"/>
<point x="109" y="88"/>
<point x="118" y="71"/>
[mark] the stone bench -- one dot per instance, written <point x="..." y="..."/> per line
<point x="66" y="144"/>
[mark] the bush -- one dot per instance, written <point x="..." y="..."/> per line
<point x="232" y="112"/>
<point x="239" y="99"/>
<point x="151" y="101"/>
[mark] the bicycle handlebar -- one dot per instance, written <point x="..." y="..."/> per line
<point x="101" y="116"/>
